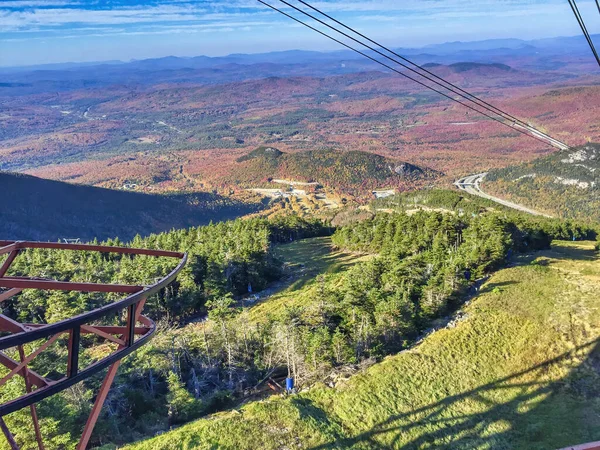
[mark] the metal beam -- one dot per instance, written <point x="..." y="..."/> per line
<point x="9" y="437"/>
<point x="32" y="409"/>
<point x="8" y="247"/>
<point x="24" y="333"/>
<point x="109" y="337"/>
<point x="9" y="260"/>
<point x="36" y="379"/>
<point x="22" y="283"/>
<point x="131" y="319"/>
<point x="55" y="387"/>
<point x="8" y="294"/>
<point x="82" y="319"/>
<point x="8" y="324"/>
<point x="97" y="408"/>
<point x="108" y="329"/>
<point x="73" y="351"/>
<point x="29" y="358"/>
<point x="101" y="248"/>
<point x="134" y="311"/>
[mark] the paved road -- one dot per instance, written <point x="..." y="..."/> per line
<point x="471" y="184"/>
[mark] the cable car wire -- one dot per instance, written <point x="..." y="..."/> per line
<point x="490" y="108"/>
<point x="454" y="87"/>
<point x="579" y="18"/>
<point x="586" y="33"/>
<point x="398" y="72"/>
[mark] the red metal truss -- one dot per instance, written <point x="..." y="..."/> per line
<point x="38" y="387"/>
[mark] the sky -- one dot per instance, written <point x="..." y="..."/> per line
<point x="48" y="31"/>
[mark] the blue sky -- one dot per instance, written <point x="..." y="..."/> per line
<point x="47" y="31"/>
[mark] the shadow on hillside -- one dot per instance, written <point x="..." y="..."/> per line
<point x="489" y="287"/>
<point x="563" y="251"/>
<point x="311" y="259"/>
<point x="489" y="428"/>
<point x="48" y="210"/>
<point x="568" y="252"/>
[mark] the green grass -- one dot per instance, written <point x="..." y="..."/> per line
<point x="317" y="255"/>
<point x="304" y="261"/>
<point x="521" y="371"/>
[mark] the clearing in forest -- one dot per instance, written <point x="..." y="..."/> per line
<point x="313" y="256"/>
<point x="304" y="260"/>
<point x="520" y="371"/>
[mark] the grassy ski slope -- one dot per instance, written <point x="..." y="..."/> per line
<point x="520" y="371"/>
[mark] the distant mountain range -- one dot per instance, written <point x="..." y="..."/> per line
<point x="236" y="67"/>
<point x="555" y="45"/>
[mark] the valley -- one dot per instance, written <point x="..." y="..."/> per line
<point x="424" y="276"/>
<point x="170" y="134"/>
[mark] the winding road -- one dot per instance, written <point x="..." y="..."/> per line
<point x="471" y="185"/>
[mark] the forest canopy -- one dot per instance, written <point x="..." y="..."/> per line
<point x="211" y="351"/>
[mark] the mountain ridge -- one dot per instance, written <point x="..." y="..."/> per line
<point x="278" y="56"/>
<point x="566" y="183"/>
<point x="40" y="209"/>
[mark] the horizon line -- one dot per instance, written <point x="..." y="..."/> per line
<point x="340" y="50"/>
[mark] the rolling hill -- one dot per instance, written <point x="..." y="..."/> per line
<point x="348" y="171"/>
<point x="38" y="209"/>
<point x="565" y="183"/>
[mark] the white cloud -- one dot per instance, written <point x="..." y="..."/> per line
<point x="19" y="4"/>
<point x="402" y="22"/>
<point x="23" y="14"/>
<point x="60" y="16"/>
